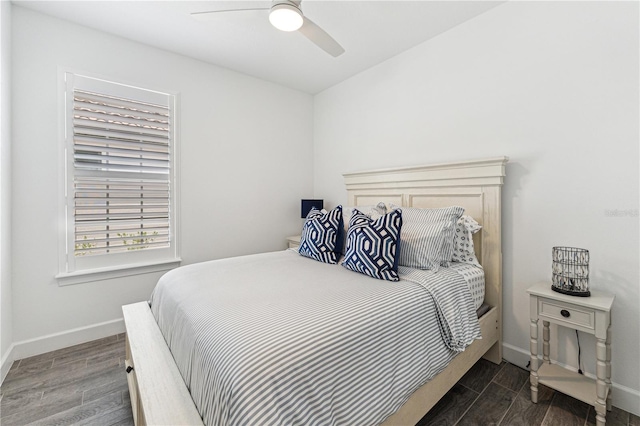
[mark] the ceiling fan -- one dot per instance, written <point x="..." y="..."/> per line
<point x="286" y="15"/>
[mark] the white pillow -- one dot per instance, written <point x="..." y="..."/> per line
<point x="463" y="249"/>
<point x="372" y="211"/>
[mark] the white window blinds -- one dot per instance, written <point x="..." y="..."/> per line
<point x="119" y="171"/>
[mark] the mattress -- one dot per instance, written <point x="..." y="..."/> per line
<point x="277" y="338"/>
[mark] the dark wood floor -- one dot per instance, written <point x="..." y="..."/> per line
<point x="492" y="394"/>
<point x="86" y="385"/>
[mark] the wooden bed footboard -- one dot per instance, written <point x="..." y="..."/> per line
<point x="159" y="396"/>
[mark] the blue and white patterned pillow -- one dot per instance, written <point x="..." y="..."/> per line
<point x="427" y="236"/>
<point x="372" y="212"/>
<point x="463" y="249"/>
<point x="373" y="245"/>
<point x="322" y="235"/>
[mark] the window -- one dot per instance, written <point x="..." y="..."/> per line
<point x="120" y="179"/>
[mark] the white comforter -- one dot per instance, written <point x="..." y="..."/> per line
<point x="277" y="338"/>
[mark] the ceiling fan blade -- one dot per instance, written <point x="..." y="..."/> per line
<point x="210" y="14"/>
<point x="320" y="38"/>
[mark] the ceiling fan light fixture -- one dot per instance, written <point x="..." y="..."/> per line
<point x="285" y="17"/>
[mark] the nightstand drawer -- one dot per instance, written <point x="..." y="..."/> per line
<point x="566" y="314"/>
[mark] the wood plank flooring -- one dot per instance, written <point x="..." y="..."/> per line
<point x="86" y="385"/>
<point x="80" y="385"/>
<point x="492" y="394"/>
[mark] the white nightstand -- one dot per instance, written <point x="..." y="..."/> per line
<point x="589" y="314"/>
<point x="294" y="242"/>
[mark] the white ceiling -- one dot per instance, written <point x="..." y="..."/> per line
<point x="371" y="31"/>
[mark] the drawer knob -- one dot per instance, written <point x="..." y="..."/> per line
<point x="565" y="313"/>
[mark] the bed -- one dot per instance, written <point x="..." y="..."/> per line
<point x="163" y="398"/>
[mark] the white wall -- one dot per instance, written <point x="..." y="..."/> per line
<point x="246" y="149"/>
<point x="552" y="85"/>
<point x="6" y="322"/>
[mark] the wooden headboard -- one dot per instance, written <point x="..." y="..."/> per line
<point x="475" y="185"/>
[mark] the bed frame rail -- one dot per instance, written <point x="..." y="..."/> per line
<point x="159" y="396"/>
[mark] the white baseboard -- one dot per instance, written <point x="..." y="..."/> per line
<point x="515" y="356"/>
<point x="52" y="342"/>
<point x="7" y="360"/>
<point x="622" y="397"/>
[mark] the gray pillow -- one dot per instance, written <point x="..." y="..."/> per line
<point x="426" y="238"/>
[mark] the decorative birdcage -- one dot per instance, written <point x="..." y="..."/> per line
<point x="570" y="271"/>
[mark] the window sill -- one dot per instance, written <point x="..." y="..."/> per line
<point x="90" y="275"/>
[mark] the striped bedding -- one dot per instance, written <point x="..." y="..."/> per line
<point x="474" y="276"/>
<point x="277" y="338"/>
<point x="453" y="305"/>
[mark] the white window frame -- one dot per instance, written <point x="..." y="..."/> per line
<point x="74" y="269"/>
